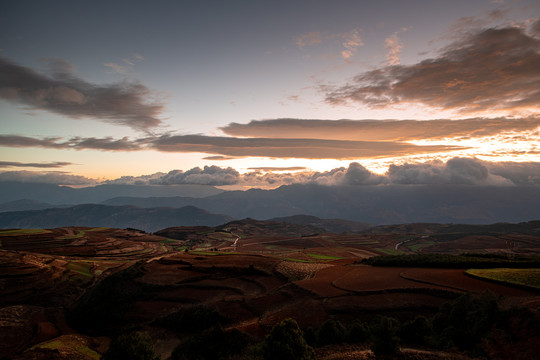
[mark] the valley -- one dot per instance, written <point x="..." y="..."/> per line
<point x="67" y="292"/>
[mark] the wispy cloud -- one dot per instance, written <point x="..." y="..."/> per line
<point x="494" y="69"/>
<point x="394" y="46"/>
<point x="62" y="92"/>
<point x="380" y="130"/>
<point x="126" y="67"/>
<point x="26" y="141"/>
<point x="77" y="143"/>
<point x="268" y="168"/>
<point x="350" y="41"/>
<point x="218" y="157"/>
<point x="54" y="164"/>
<point x="310" y="38"/>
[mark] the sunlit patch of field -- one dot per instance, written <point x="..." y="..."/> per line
<point x="523" y="277"/>
<point x="70" y="344"/>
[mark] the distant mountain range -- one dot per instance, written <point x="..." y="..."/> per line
<point x="396" y="204"/>
<point x="92" y="215"/>
<point x="58" y="195"/>
<point x="352" y="207"/>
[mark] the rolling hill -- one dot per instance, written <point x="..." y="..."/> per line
<point x="150" y="219"/>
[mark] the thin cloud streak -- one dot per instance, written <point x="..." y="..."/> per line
<point x="494" y="69"/>
<point x="380" y="130"/>
<point x="76" y="143"/>
<point x="63" y="93"/>
<point x="55" y="164"/>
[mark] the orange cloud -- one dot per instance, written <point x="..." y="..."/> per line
<point x="494" y="69"/>
<point x="380" y="130"/>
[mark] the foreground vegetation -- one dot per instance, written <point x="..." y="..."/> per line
<point x="473" y="324"/>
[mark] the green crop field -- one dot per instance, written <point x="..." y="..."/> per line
<point x="386" y="251"/>
<point x="416" y="247"/>
<point x="324" y="257"/>
<point x="524" y="277"/>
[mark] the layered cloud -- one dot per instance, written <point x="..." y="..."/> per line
<point x="493" y="69"/>
<point x="55" y="164"/>
<point x="209" y="175"/>
<point x="290" y="148"/>
<point x="64" y="93"/>
<point x="456" y="171"/>
<point x="380" y="130"/>
<point x="76" y="143"/>
<point x="52" y="177"/>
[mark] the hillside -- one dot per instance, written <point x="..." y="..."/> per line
<point x="92" y="215"/>
<point x="68" y="293"/>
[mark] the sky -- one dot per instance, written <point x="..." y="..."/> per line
<point x="246" y="94"/>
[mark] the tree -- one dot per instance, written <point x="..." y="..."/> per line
<point x="417" y="331"/>
<point x="331" y="332"/>
<point x="384" y="336"/>
<point x="286" y="342"/>
<point x="358" y="332"/>
<point x="211" y="344"/>
<point x="133" y="346"/>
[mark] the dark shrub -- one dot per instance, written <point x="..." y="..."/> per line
<point x="358" y="332"/>
<point x="211" y="344"/>
<point x="285" y="342"/>
<point x="384" y="336"/>
<point x="466" y="321"/>
<point x="104" y="305"/>
<point x="417" y="331"/>
<point x="331" y="332"/>
<point x="133" y="346"/>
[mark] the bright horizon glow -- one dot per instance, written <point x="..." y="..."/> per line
<point x="158" y="99"/>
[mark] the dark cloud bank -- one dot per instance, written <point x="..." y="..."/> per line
<point x="64" y="93"/>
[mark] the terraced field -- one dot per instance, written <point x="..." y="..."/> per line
<point x="527" y="278"/>
<point x="72" y="289"/>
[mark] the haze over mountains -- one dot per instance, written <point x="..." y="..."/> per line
<point x="58" y="195"/>
<point x="154" y="207"/>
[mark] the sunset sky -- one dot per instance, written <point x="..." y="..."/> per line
<point x="265" y="93"/>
